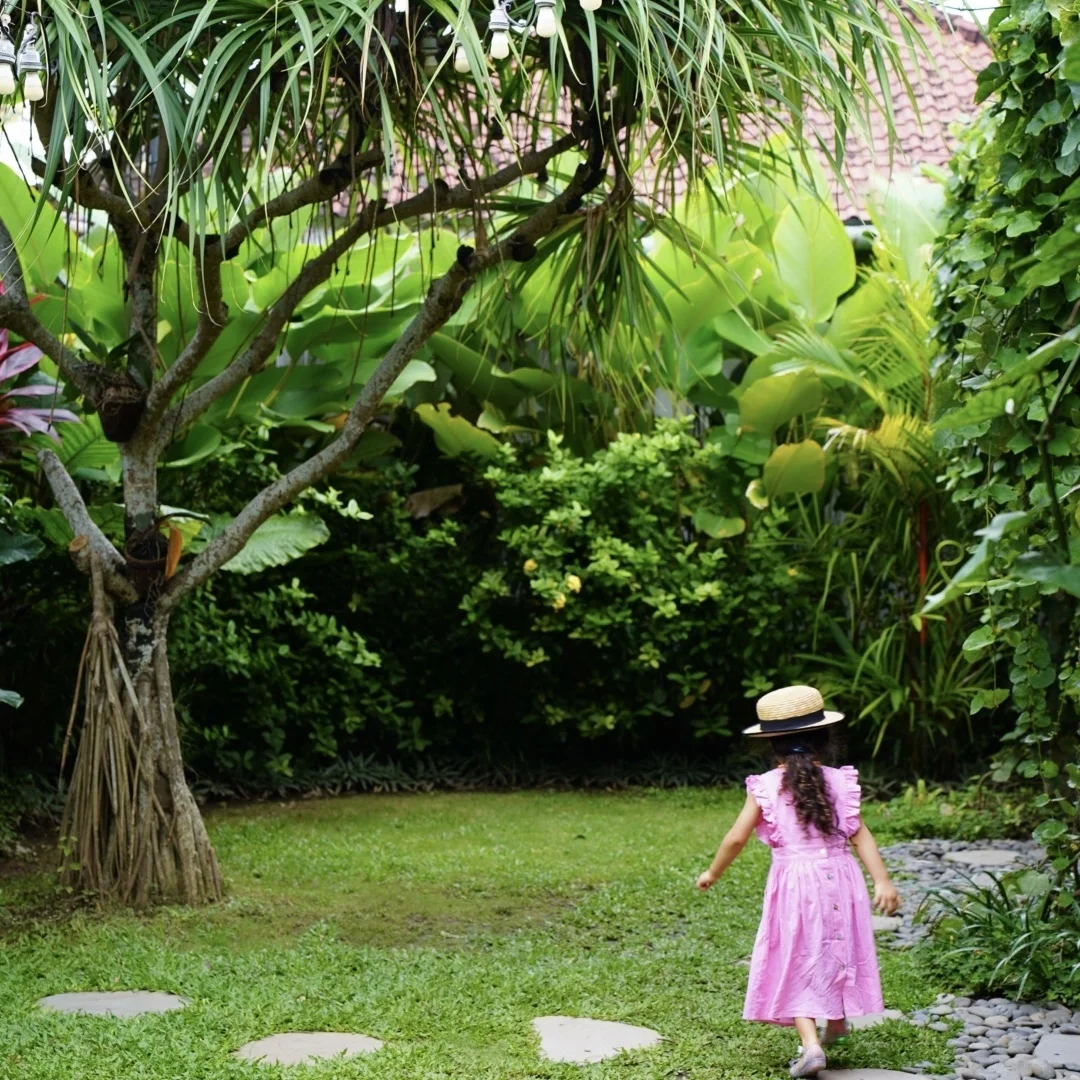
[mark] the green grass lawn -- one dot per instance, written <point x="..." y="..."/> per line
<point x="441" y="924"/>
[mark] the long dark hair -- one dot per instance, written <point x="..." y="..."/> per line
<point x="804" y="779"/>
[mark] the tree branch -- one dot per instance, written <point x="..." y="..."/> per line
<point x="11" y="270"/>
<point x="16" y="314"/>
<point x="79" y="184"/>
<point x="211" y="322"/>
<point x="322" y="187"/>
<point x="78" y="517"/>
<point x="444" y="298"/>
<point x="76" y="179"/>
<point x="254" y="358"/>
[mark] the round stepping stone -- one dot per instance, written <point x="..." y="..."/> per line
<point x="1060" y="1050"/>
<point x="863" y="1074"/>
<point x="860" y="1023"/>
<point x="583" y="1041"/>
<point x="886" y="924"/>
<point x="124" y="1003"/>
<point x="305" y="1047"/>
<point x="982" y="857"/>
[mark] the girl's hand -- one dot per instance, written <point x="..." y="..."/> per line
<point x="886" y="899"/>
<point x="707" y="880"/>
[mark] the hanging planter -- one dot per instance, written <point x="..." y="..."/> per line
<point x="146" y="554"/>
<point x="121" y="409"/>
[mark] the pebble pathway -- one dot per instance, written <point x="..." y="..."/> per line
<point x="921" y="866"/>
<point x="997" y="1039"/>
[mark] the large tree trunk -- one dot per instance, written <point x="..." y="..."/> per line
<point x="132" y="832"/>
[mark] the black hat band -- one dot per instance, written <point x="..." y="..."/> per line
<point x="791" y="723"/>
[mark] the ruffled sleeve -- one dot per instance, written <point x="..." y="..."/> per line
<point x="763" y="795"/>
<point x="849" y="801"/>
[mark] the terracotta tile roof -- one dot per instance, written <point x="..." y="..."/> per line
<point x="944" y="82"/>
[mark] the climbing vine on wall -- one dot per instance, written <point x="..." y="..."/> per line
<point x="1008" y="310"/>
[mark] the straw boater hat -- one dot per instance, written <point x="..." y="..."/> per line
<point x="791" y="709"/>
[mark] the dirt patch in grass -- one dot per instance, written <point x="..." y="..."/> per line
<point x="379" y="916"/>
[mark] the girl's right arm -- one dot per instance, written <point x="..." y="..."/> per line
<point x="732" y="844"/>
<point x="885" y="896"/>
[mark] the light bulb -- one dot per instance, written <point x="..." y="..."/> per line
<point x="500" y="45"/>
<point x="7" y="80"/>
<point x="546" y="24"/>
<point x="32" y="88"/>
<point x="461" y="60"/>
<point x="590" y="5"/>
<point x="431" y="64"/>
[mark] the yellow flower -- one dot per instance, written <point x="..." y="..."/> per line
<point x="560" y="602"/>
<point x="792" y="571"/>
<point x="530" y="565"/>
<point x="573" y="582"/>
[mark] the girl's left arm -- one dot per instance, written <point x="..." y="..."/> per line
<point x="886" y="898"/>
<point x="732" y="844"/>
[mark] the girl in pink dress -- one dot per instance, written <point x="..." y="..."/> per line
<point x="814" y="956"/>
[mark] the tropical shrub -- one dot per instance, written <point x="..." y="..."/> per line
<point x="972" y="811"/>
<point x="401" y="636"/>
<point x="1008" y="936"/>
<point x="624" y="603"/>
<point x="16" y="416"/>
<point x="357" y="648"/>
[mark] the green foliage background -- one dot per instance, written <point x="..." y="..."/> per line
<point x="1008" y="284"/>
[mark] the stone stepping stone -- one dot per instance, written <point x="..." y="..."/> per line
<point x="860" y="1023"/>
<point x="1060" y="1050"/>
<point x="985" y="858"/>
<point x="863" y="1074"/>
<point x="306" y="1047"/>
<point x="583" y="1042"/>
<point x="886" y="924"/>
<point x="122" y="1003"/>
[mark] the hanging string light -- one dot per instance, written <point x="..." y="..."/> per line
<point x="29" y="65"/>
<point x="499" y="25"/>
<point x="7" y="58"/>
<point x="547" y="26"/>
<point x="544" y="24"/>
<point x="429" y="51"/>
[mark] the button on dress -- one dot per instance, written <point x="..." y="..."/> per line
<point x="814" y="954"/>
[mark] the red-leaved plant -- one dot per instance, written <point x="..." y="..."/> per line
<point x="27" y="419"/>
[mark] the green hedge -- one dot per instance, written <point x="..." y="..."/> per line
<point x="565" y="610"/>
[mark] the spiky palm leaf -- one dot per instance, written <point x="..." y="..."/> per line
<point x="192" y="106"/>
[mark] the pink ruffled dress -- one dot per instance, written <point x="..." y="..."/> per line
<point x="814" y="954"/>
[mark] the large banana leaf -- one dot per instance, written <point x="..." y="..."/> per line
<point x="814" y="258"/>
<point x="278" y="541"/>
